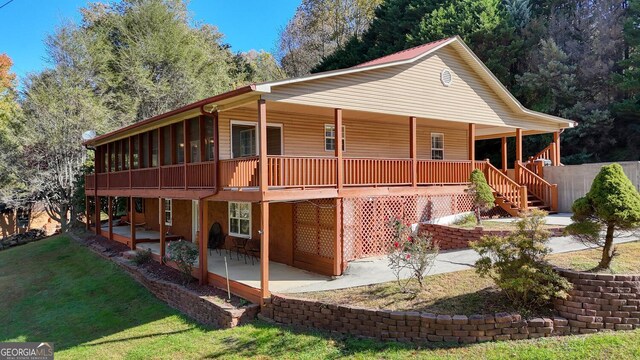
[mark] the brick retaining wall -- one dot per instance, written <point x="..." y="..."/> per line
<point x="450" y="237"/>
<point x="601" y="301"/>
<point x="597" y="302"/>
<point x="200" y="308"/>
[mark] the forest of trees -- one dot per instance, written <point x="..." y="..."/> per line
<point x="133" y="59"/>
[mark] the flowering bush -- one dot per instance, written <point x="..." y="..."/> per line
<point x="413" y="253"/>
<point x="184" y="254"/>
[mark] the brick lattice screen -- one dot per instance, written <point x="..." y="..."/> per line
<point x="366" y="227"/>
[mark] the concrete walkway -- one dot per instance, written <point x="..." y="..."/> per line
<point x="375" y="270"/>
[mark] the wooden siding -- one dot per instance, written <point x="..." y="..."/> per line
<point x="414" y="90"/>
<point x="303" y="135"/>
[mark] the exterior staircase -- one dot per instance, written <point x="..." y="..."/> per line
<point x="529" y="190"/>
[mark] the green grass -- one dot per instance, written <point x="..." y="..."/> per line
<point x="56" y="290"/>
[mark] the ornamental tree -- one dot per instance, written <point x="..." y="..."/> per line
<point x="611" y="205"/>
<point x="481" y="192"/>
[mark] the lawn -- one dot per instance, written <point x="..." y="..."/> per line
<point x="465" y="292"/>
<point x="56" y="290"/>
<point x="469" y="222"/>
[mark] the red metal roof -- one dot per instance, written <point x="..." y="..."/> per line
<point x="404" y="54"/>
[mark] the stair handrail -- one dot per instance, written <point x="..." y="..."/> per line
<point x="506" y="187"/>
<point x="537" y="185"/>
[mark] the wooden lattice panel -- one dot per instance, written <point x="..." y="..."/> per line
<point x="366" y="230"/>
<point x="314" y="228"/>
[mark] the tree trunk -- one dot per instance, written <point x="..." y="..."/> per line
<point x="608" y="249"/>
<point x="476" y="211"/>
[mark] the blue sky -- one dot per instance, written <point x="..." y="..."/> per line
<point x="246" y="24"/>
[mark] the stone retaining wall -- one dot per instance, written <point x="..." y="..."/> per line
<point x="409" y="326"/>
<point x="601" y="301"/>
<point x="450" y="237"/>
<point x="597" y="302"/>
<point x="202" y="309"/>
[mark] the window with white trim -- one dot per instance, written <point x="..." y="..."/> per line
<point x="437" y="146"/>
<point x="240" y="219"/>
<point x="168" y="212"/>
<point x="330" y="137"/>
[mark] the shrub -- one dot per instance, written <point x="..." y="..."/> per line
<point x="517" y="266"/>
<point x="414" y="253"/>
<point x="142" y="257"/>
<point x="611" y="204"/>
<point x="184" y="254"/>
<point x="481" y="193"/>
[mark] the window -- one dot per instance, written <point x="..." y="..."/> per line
<point x="240" y="219"/>
<point x="168" y="214"/>
<point x="330" y="137"/>
<point x="166" y="145"/>
<point x="144" y="150"/>
<point x="208" y="139"/>
<point x="437" y="146"/>
<point x="194" y="140"/>
<point x="154" y="148"/>
<point x="244" y="139"/>
<point x="178" y="135"/>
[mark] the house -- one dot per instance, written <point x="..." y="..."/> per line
<point x="309" y="170"/>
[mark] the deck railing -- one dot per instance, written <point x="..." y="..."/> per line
<point x="291" y="172"/>
<point x="299" y="171"/>
<point x="538" y="186"/>
<point x="240" y="172"/>
<point x="505" y="187"/>
<point x="373" y="172"/>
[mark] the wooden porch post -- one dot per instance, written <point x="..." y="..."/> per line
<point x="337" y="123"/>
<point x="262" y="144"/>
<point x="505" y="160"/>
<point x="186" y="151"/>
<point x="163" y="229"/>
<point x="413" y="150"/>
<point x="519" y="144"/>
<point x="161" y="146"/>
<point x="556" y="141"/>
<point x="264" y="251"/>
<point x="96" y="210"/>
<point x="338" y="256"/>
<point x="472" y="145"/>
<point x="88" y="212"/>
<point x="204" y="239"/>
<point x="132" y="221"/>
<point x="110" y="214"/>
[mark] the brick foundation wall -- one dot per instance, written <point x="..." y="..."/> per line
<point x="601" y="301"/>
<point x="200" y="308"/>
<point x="597" y="302"/>
<point x="450" y="237"/>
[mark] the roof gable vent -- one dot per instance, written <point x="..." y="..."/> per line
<point x="446" y="77"/>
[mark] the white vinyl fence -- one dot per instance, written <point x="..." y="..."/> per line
<point x="574" y="181"/>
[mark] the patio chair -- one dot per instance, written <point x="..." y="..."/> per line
<point x="216" y="238"/>
<point x="252" y="249"/>
<point x="239" y="246"/>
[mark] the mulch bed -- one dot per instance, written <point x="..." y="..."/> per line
<point x="166" y="273"/>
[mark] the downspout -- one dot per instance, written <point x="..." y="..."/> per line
<point x="216" y="144"/>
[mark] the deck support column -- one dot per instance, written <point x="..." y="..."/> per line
<point x="505" y="161"/>
<point x="556" y="155"/>
<point x="263" y="165"/>
<point x="132" y="221"/>
<point x="337" y="123"/>
<point x="338" y="256"/>
<point x="413" y="150"/>
<point x="163" y="229"/>
<point x="264" y="251"/>
<point x="88" y="212"/>
<point x="472" y="146"/>
<point x="110" y="214"/>
<point x="96" y="210"/>
<point x="203" y="208"/>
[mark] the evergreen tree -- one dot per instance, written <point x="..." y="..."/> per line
<point x="612" y="204"/>
<point x="480" y="192"/>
